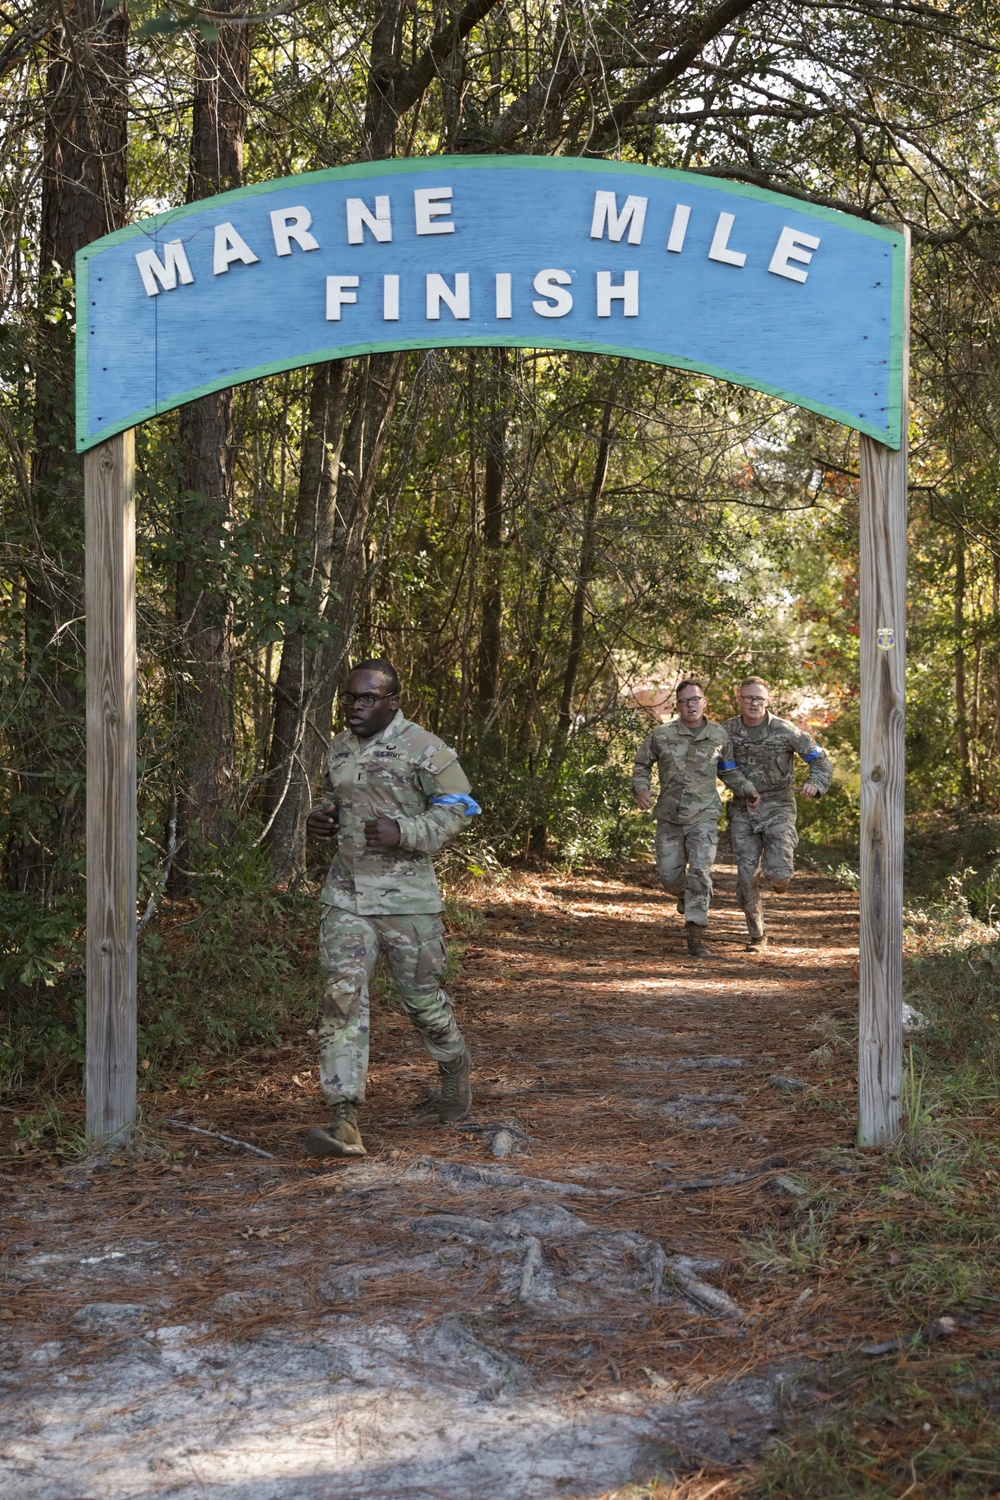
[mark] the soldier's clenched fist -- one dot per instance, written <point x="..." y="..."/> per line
<point x="382" y="833"/>
<point x="322" y="822"/>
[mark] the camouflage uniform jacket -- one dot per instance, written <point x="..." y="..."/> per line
<point x="766" y="754"/>
<point x="688" y="761"/>
<point x="406" y="773"/>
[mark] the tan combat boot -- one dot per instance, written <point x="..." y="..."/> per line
<point x="456" y="1089"/>
<point x="341" y="1137"/>
<point x="757" y="936"/>
<point x="695" y="934"/>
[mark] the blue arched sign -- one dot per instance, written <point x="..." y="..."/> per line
<point x="762" y="290"/>
<point x="785" y="297"/>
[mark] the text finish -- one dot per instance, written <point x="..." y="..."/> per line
<point x="799" y="301"/>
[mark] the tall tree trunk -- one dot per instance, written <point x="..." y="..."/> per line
<point x="295" y="736"/>
<point x="533" y="652"/>
<point x="305" y="692"/>
<point x="465" y="646"/>
<point x="377" y="383"/>
<point x="316" y="646"/>
<point x="83" y="192"/>
<point x="585" y="576"/>
<point x="384" y="72"/>
<point x="331" y="528"/>
<point x="538" y="828"/>
<point x="538" y="843"/>
<point x="494" y="468"/>
<point x="376" y="387"/>
<point x="974" y="722"/>
<point x="961" y="703"/>
<point x="205" y="512"/>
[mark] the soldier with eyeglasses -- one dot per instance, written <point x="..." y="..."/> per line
<point x="764" y="834"/>
<point x="396" y="794"/>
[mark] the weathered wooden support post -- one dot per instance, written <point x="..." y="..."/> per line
<point x="109" y="483"/>
<point x="883" y="707"/>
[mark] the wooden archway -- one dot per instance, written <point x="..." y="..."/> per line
<point x="674" y="268"/>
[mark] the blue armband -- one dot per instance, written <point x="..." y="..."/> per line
<point x="816" y="754"/>
<point x="458" y="799"/>
<point x="727" y="765"/>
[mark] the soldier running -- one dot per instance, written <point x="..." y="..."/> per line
<point x="690" y="753"/>
<point x="396" y="795"/>
<point x="763" y="834"/>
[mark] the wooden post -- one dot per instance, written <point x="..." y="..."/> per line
<point x="109" y="483"/>
<point x="883" y="705"/>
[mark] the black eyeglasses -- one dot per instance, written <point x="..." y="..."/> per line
<point x="367" y="700"/>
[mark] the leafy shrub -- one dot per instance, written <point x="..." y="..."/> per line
<point x="229" y="970"/>
<point x="834" y="820"/>
<point x="38" y="943"/>
<point x="576" y="801"/>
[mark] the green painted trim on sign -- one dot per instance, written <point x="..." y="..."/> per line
<point x="82" y="356"/>
<point x="897" y="329"/>
<point x="349" y="351"/>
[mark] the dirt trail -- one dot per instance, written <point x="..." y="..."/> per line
<point x="549" y="1302"/>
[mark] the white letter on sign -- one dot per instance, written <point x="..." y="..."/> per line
<point x="606" y="214"/>
<point x="289" y="224"/>
<point x="678" y="228"/>
<point x="174" y="268"/>
<point x="358" y="216"/>
<point x="549" y="284"/>
<point x="439" y="291"/>
<point x="793" y="245"/>
<point x="390" y="299"/>
<point x="627" y="294"/>
<point x="230" y="247"/>
<point x="338" y="295"/>
<point x="720" y="243"/>
<point x="430" y="204"/>
<point x="503" y="283"/>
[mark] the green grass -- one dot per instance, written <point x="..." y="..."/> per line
<point x="929" y="1432"/>
<point x="906" y="1238"/>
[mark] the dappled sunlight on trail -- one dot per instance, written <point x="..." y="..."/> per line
<point x="552" y="1298"/>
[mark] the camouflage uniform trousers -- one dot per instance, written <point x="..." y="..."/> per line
<point x="684" y="858"/>
<point x="348" y="948"/>
<point x="763" y="844"/>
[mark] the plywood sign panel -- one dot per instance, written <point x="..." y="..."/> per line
<point x="537" y="252"/>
